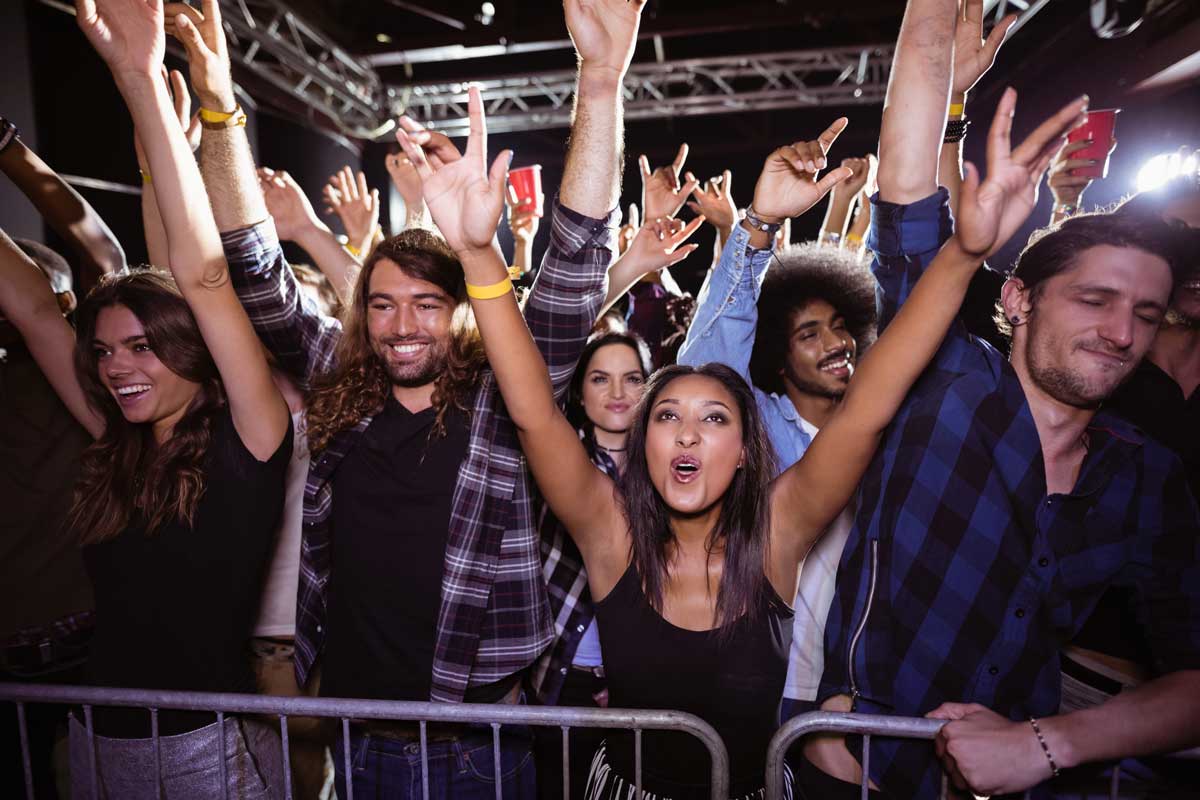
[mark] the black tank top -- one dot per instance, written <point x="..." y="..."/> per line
<point x="734" y="685"/>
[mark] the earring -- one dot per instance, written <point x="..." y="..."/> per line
<point x="1015" y="319"/>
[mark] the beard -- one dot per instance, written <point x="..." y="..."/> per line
<point x="835" y="389"/>
<point x="422" y="371"/>
<point x="1065" y="385"/>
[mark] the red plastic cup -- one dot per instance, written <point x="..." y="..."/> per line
<point x="1099" y="128"/>
<point x="527" y="183"/>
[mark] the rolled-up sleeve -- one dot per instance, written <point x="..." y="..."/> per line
<point x="300" y="338"/>
<point x="905" y="239"/>
<point x="570" y="288"/>
<point x="723" y="329"/>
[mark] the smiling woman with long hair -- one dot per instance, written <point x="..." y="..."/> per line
<point x="179" y="497"/>
<point x="689" y="554"/>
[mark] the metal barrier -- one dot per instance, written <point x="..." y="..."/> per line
<point x="345" y="710"/>
<point x="868" y="725"/>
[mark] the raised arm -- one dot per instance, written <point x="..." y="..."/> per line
<point x="657" y="245"/>
<point x="841" y="200"/>
<point x="28" y="304"/>
<point x="811" y="493"/>
<point x="357" y="206"/>
<point x="64" y="210"/>
<point x="466" y="203"/>
<point x="152" y="226"/>
<point x="297" y="221"/>
<point x="128" y="34"/>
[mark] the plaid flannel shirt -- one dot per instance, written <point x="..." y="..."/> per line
<point x="962" y="578"/>
<point x="494" y="618"/>
<point x="570" y="599"/>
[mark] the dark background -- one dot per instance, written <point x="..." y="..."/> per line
<point x="62" y="97"/>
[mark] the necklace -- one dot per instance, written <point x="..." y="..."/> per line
<point x="611" y="449"/>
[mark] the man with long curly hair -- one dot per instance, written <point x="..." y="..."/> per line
<point x="420" y="575"/>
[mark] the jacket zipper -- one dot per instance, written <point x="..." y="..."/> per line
<point x="862" y="624"/>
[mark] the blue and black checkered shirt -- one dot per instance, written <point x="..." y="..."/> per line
<point x="962" y="578"/>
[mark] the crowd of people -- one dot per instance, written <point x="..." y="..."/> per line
<point x="410" y="472"/>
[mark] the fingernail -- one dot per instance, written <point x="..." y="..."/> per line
<point x="510" y="157"/>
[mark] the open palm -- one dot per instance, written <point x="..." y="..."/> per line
<point x="974" y="55"/>
<point x="604" y="31"/>
<point x="989" y="213"/>
<point x="128" y="34"/>
<point x="463" y="197"/>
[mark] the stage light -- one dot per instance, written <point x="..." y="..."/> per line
<point x="1164" y="167"/>
<point x="487" y="13"/>
<point x="383" y="38"/>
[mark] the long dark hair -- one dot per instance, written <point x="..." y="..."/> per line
<point x="358" y="386"/>
<point x="575" y="411"/>
<point x="743" y="526"/>
<point x="125" y="470"/>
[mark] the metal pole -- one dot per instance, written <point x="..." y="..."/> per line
<point x="26" y="764"/>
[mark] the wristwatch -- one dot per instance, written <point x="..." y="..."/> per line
<point x="758" y="223"/>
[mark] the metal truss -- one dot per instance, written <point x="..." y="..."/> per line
<point x="269" y="40"/>
<point x="692" y="87"/>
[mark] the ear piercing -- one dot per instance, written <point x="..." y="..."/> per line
<point x="1014" y="319"/>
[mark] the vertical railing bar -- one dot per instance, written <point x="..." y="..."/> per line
<point x="424" y="762"/>
<point x="221" y="757"/>
<point x="866" y="767"/>
<point x="287" y="757"/>
<point x="1115" y="787"/>
<point x="346" y="757"/>
<point x="945" y="790"/>
<point x="91" y="739"/>
<point x="566" y="761"/>
<point x="157" y="754"/>
<point x="496" y="760"/>
<point x="637" y="762"/>
<point x="26" y="762"/>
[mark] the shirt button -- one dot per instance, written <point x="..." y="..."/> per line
<point x="993" y="670"/>
<point x="1020" y="613"/>
<point x="563" y="670"/>
<point x="580" y="628"/>
<point x="1043" y="562"/>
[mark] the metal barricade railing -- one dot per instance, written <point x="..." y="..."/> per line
<point x="347" y="709"/>
<point x="868" y="725"/>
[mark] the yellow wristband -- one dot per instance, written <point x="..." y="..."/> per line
<point x="218" y="116"/>
<point x="352" y="250"/>
<point x="956" y="109"/>
<point x="145" y="177"/>
<point x="515" y="273"/>
<point x="853" y="238"/>
<point x="498" y="289"/>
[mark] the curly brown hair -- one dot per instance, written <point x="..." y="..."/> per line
<point x="359" y="384"/>
<point x="126" y="470"/>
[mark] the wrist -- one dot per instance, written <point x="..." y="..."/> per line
<point x="312" y="231"/>
<point x="480" y="255"/>
<point x="599" y="79"/>
<point x="223" y="102"/>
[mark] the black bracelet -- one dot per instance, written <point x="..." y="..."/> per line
<point x="8" y="132"/>
<point x="1045" y="749"/>
<point x="956" y="130"/>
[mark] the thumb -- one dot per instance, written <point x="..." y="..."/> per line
<point x="831" y="179"/>
<point x="969" y="189"/>
<point x="498" y="175"/>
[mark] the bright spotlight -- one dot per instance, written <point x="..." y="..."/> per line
<point x="1164" y="167"/>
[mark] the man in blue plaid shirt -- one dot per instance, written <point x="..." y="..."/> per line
<point x="1004" y="500"/>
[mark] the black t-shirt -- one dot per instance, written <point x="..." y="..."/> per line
<point x="174" y="609"/>
<point x="391" y="513"/>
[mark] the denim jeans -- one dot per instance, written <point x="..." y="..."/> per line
<point x="459" y="769"/>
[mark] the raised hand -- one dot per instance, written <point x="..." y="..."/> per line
<point x="464" y="198"/>
<point x="973" y="55"/>
<point x="628" y="230"/>
<point x="203" y="38"/>
<point x="522" y="219"/>
<point x="356" y="205"/>
<point x="128" y="35"/>
<point x="989" y="213"/>
<point x="604" y="33"/>
<point x="715" y="201"/>
<point x="1066" y="188"/>
<point x="660" y="244"/>
<point x="405" y="178"/>
<point x="287" y="204"/>
<point x="788" y="185"/>
<point x="662" y="194"/>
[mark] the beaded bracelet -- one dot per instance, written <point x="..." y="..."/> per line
<point x="956" y="130"/>
<point x="8" y="132"/>
<point x="1045" y="749"/>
